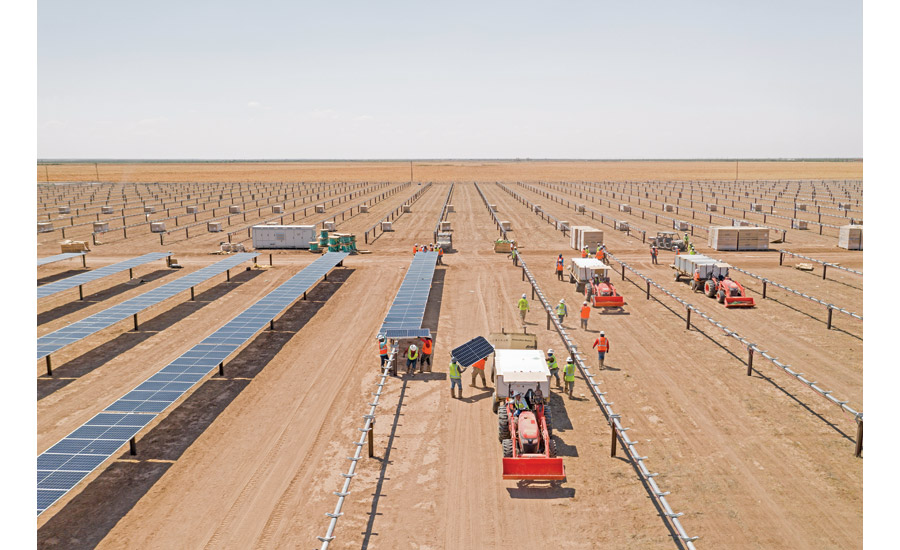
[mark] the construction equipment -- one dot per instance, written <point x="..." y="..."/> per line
<point x="583" y="270"/>
<point x="668" y="240"/>
<point x="713" y="279"/>
<point x="728" y="292"/>
<point x="529" y="453"/>
<point x="601" y="293"/>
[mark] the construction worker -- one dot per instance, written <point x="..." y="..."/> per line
<point x="601" y="254"/>
<point x="412" y="355"/>
<point x="559" y="267"/>
<point x="687" y="240"/>
<point x="653" y="253"/>
<point x="427" y="347"/>
<point x="584" y="252"/>
<point x="424" y="248"/>
<point x="382" y="349"/>
<point x="455" y="377"/>
<point x="523" y="307"/>
<point x="440" y="260"/>
<point x="478" y="370"/>
<point x="570" y="376"/>
<point x="514" y="254"/>
<point x="553" y="366"/>
<point x="431" y="247"/>
<point x="519" y="404"/>
<point x="561" y="310"/>
<point x="602" y="345"/>
<point x="415" y="248"/>
<point x="585" y="314"/>
<point x="695" y="283"/>
<point x="691" y="248"/>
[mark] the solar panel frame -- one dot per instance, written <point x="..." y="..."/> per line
<point x="472" y="351"/>
<point x="58" y="258"/>
<point x="109" y="430"/>
<point x="78" y="330"/>
<point x="83" y="278"/>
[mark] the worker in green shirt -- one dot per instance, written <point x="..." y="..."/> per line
<point x="523" y="308"/>
<point x="570" y="376"/>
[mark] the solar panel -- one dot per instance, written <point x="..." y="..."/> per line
<point x="59" y="258"/>
<point x="82" y="278"/>
<point x="472" y="351"/>
<point x="408" y="308"/>
<point x="56" y="340"/>
<point x="396" y="334"/>
<point x="104" y="434"/>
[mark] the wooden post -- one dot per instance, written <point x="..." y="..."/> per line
<point x="548" y="321"/>
<point x="228" y="275"/>
<point x="859" y="438"/>
<point x="270" y="259"/>
<point x="824" y="270"/>
<point x="84" y="260"/>
<point x="623" y="272"/>
<point x="532" y="292"/>
<point x="749" y="361"/>
<point x="612" y="443"/>
<point x="780" y="258"/>
<point x="80" y="292"/>
<point x="830" y="312"/>
<point x="688" y="325"/>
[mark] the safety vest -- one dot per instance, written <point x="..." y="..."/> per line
<point x="552" y="364"/>
<point x="415" y="249"/>
<point x="696" y="275"/>
<point x="585" y="312"/>
<point x="523" y="304"/>
<point x="570" y="372"/>
<point x="559" y="264"/>
<point x="412" y="355"/>
<point x="600" y="255"/>
<point x="653" y="251"/>
<point x="383" y="348"/>
<point x="426" y="348"/>
<point x="520" y="404"/>
<point x="602" y="344"/>
<point x="454" y="370"/>
<point x="480" y="364"/>
<point x="561" y="309"/>
<point x="440" y="251"/>
<point x="584" y="253"/>
<point x="513" y="252"/>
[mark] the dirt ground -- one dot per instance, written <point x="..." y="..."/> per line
<point x="251" y="460"/>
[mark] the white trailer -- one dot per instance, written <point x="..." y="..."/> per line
<point x="283" y="236"/>
<point x="582" y="270"/>
<point x="519" y="370"/>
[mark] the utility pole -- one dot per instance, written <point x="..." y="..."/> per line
<point x="410" y="172"/>
<point x="736" y="170"/>
<point x="96" y="171"/>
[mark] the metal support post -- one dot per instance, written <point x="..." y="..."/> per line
<point x="532" y="292"/>
<point x="80" y="292"/>
<point x="688" y="324"/>
<point x="131" y="273"/>
<point x="781" y="258"/>
<point x="84" y="260"/>
<point x="132" y="447"/>
<point x="548" y="321"/>
<point x="49" y="367"/>
<point x="749" y="361"/>
<point x="271" y="324"/>
<point x="859" y="438"/>
<point x="612" y="443"/>
<point x="270" y="259"/>
<point x="523" y="272"/>
<point x="371" y="439"/>
<point x="135" y="321"/>
<point x="830" y="312"/>
<point x="623" y="272"/>
<point x="765" y="281"/>
<point x="648" y="290"/>
<point x="824" y="270"/>
<point x="228" y="275"/>
<point x="222" y="369"/>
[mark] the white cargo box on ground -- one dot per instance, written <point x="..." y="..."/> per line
<point x="328" y="226"/>
<point x="406" y="208"/>
<point x="798" y="224"/>
<point x="507" y="226"/>
<point x="537" y="208"/>
<point x="625" y="208"/>
<point x="191" y="209"/>
<point x="851" y="237"/>
<point x="320" y="209"/>
<point x="157" y="227"/>
<point x="668" y="207"/>
<point x="214" y="227"/>
<point x="278" y="209"/>
<point x="149" y="209"/>
<point x="756" y="207"/>
<point x="283" y="236"/>
<point x="494" y="208"/>
<point x="101" y="227"/>
<point x="682" y="226"/>
<point x="519" y="370"/>
<point x="709" y="268"/>
<point x="450" y="208"/>
<point x="64" y="210"/>
<point x="387" y="226"/>
<point x="445" y="226"/>
<point x="621" y="225"/>
<point x="712" y="207"/>
<point x="723" y="238"/>
<point x="234" y="209"/>
<point x="579" y="208"/>
<point x="44" y="227"/>
<point x="561" y="225"/>
<point x="363" y="208"/>
<point x="107" y="210"/>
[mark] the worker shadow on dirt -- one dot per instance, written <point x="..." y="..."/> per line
<point x="97" y="297"/>
<point x="59" y="276"/>
<point x="422" y="376"/>
<point x="91" y="360"/>
<point x="478" y="396"/>
<point x="89" y="517"/>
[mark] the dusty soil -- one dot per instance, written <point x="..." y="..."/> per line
<point x="251" y="459"/>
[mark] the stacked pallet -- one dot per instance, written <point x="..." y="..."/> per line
<point x="851" y="237"/>
<point x="625" y="208"/>
<point x="738" y="238"/>
<point x="798" y="224"/>
<point x="621" y="225"/>
<point x="585" y="236"/>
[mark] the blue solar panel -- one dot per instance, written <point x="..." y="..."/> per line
<point x="396" y="334"/>
<point x="408" y="308"/>
<point x="56" y="340"/>
<point x="472" y="351"/>
<point x="104" y="434"/>
<point x="59" y="258"/>
<point x="82" y="278"/>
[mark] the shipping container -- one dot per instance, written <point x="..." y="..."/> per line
<point x="282" y="236"/>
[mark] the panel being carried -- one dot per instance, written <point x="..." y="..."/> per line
<point x="57" y="340"/>
<point x="472" y="351"/>
<point x="59" y="258"/>
<point x="82" y="278"/>
<point x="408" y="309"/>
<point x="104" y="435"/>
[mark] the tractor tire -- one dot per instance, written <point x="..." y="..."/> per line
<point x="507" y="448"/>
<point x="677" y="276"/>
<point x="549" y="419"/>
<point x="551" y="448"/>
<point x="503" y="423"/>
<point x="721" y="296"/>
<point x="710" y="288"/>
<point x="495" y="406"/>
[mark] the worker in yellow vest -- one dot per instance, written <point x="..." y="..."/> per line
<point x="553" y="366"/>
<point x="523" y="307"/>
<point x="455" y="377"/>
<point x="412" y="356"/>
<point x="570" y="376"/>
<point x="561" y="310"/>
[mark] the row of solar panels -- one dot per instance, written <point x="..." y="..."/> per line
<point x="408" y="308"/>
<point x="59" y="258"/>
<point x="56" y="340"/>
<point x="83" y="278"/>
<point x="69" y="461"/>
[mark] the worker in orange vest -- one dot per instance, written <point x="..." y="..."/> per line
<point x="440" y="260"/>
<point x="584" y="252"/>
<point x="601" y="255"/>
<point x="602" y="345"/>
<point x="382" y="349"/>
<point x="415" y="248"/>
<point x="653" y="252"/>
<point x="585" y="314"/>
<point x="478" y="370"/>
<point x="695" y="284"/>
<point x="427" y="347"/>
<point x="559" y="267"/>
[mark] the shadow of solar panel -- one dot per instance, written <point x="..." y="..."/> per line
<point x="82" y="278"/>
<point x="59" y="258"/>
<point x="80" y="329"/>
<point x="472" y="351"/>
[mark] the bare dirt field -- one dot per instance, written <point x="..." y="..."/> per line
<point x="252" y="459"/>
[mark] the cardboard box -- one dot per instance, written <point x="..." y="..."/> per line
<point x="386" y="226"/>
<point x="101" y="227"/>
<point x="107" y="210"/>
<point x="621" y="225"/>
<point x="64" y="209"/>
<point x="149" y="209"/>
<point x="44" y="227"/>
<point x="625" y="208"/>
<point x="278" y="209"/>
<point x="74" y="246"/>
<point x="320" y="209"/>
<point x="363" y="208"/>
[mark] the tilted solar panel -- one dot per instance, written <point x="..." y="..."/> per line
<point x="408" y="308"/>
<point x="472" y="351"/>
<point x="82" y="278"/>
<point x="56" y="340"/>
<point x="139" y="406"/>
<point x="59" y="258"/>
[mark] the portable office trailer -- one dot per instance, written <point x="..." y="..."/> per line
<point x="282" y="236"/>
<point x="851" y="237"/>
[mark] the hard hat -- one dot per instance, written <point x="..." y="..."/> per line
<point x="569" y="360"/>
<point x="585" y="303"/>
<point x="602" y="333"/>
<point x="452" y="359"/>
<point x="523" y="296"/>
<point x="381" y="336"/>
<point x="562" y="300"/>
<point x="413" y="347"/>
<point x="549" y="352"/>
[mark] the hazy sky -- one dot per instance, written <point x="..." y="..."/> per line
<point x="382" y="79"/>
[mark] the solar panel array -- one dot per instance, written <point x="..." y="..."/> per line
<point x="397" y="333"/>
<point x="85" y="449"/>
<point x="408" y="309"/>
<point x="59" y="258"/>
<point x="56" y="340"/>
<point x="472" y="351"/>
<point x="82" y="278"/>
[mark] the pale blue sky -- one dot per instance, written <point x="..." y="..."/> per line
<point x="457" y="80"/>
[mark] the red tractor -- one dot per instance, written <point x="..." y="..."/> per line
<point x="728" y="292"/>
<point x="528" y="451"/>
<point x="601" y="293"/>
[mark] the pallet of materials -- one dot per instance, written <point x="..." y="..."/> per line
<point x="738" y="238"/>
<point x="851" y="237"/>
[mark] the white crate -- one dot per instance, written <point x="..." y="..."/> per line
<point x="712" y="207"/>
<point x="507" y="226"/>
<point x="798" y="224"/>
<point x="214" y="227"/>
<point x="234" y="209"/>
<point x="107" y="210"/>
<point x="386" y="226"/>
<point x="445" y="226"/>
<point x="625" y="208"/>
<point x="406" y="208"/>
<point x="851" y="237"/>
<point x="278" y="209"/>
<point x="327" y="226"/>
<point x="44" y="227"/>
<point x="320" y="209"/>
<point x="621" y="225"/>
<point x="157" y="227"/>
<point x="668" y="207"/>
<point x="192" y="209"/>
<point x="149" y="209"/>
<point x="363" y="208"/>
<point x="101" y="227"/>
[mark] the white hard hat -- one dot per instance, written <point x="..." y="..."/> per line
<point x="549" y="352"/>
<point x="523" y="296"/>
<point x="413" y="347"/>
<point x="585" y="303"/>
<point x="602" y="333"/>
<point x="569" y="360"/>
<point x="562" y="300"/>
<point x="381" y="336"/>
